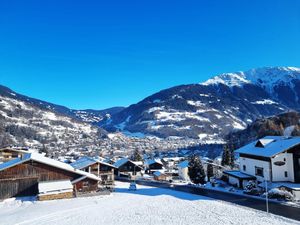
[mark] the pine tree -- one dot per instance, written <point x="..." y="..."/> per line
<point x="228" y="156"/>
<point x="196" y="171"/>
<point x="210" y="171"/>
<point x="44" y="150"/>
<point x="225" y="156"/>
<point x="136" y="156"/>
<point x="232" y="157"/>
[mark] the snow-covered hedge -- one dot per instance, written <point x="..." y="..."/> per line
<point x="280" y="194"/>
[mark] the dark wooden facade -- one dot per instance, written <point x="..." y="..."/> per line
<point x="155" y="166"/>
<point x="128" y="167"/>
<point x="22" y="179"/>
<point x="105" y="172"/>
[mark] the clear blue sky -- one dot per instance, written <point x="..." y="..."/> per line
<point x="98" y="54"/>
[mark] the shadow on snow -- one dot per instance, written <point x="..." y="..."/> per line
<point x="153" y="191"/>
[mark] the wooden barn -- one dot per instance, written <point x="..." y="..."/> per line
<point x="126" y="167"/>
<point x="99" y="168"/>
<point x="21" y="176"/>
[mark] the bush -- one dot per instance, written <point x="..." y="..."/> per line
<point x="251" y="188"/>
<point x="280" y="194"/>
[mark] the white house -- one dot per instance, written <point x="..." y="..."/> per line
<point x="272" y="158"/>
<point x="183" y="170"/>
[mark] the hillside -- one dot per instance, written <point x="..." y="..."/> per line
<point x="210" y="110"/>
<point x="29" y="122"/>
<point x="287" y="124"/>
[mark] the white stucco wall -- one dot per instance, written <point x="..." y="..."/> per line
<point x="250" y="167"/>
<point x="278" y="172"/>
<point x="233" y="181"/>
<point x="296" y="195"/>
<point x="183" y="173"/>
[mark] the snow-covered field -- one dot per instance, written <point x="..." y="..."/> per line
<point x="147" y="205"/>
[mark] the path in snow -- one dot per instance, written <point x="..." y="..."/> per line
<point x="148" y="205"/>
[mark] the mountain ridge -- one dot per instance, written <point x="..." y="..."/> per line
<point x="205" y="110"/>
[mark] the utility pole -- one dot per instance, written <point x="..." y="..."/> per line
<point x="267" y="199"/>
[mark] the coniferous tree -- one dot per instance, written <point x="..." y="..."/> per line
<point x="225" y="156"/>
<point x="228" y="156"/>
<point x="196" y="171"/>
<point x="232" y="157"/>
<point x="210" y="171"/>
<point x="136" y="156"/>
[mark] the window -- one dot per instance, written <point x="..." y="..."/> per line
<point x="286" y="174"/>
<point x="259" y="171"/>
<point x="244" y="167"/>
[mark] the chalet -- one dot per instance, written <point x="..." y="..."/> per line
<point x="272" y="159"/>
<point x="160" y="176"/>
<point x="99" y="168"/>
<point x="153" y="165"/>
<point x="126" y="167"/>
<point x="171" y="163"/>
<point x="22" y="176"/>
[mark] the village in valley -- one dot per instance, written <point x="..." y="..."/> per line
<point x="150" y="112"/>
<point x="269" y="165"/>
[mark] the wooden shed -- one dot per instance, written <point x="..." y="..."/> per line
<point x="50" y="190"/>
<point x="21" y="176"/>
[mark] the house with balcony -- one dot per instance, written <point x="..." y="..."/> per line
<point x="101" y="169"/>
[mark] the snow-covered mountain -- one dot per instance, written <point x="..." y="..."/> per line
<point x="281" y="83"/>
<point x="25" y="121"/>
<point x="30" y="122"/>
<point x="212" y="109"/>
<point x="89" y="115"/>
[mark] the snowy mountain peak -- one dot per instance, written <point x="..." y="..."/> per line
<point x="266" y="77"/>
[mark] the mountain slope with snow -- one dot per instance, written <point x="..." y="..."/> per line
<point x="30" y="122"/>
<point x="212" y="109"/>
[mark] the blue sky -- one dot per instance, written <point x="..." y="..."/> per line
<point x="98" y="54"/>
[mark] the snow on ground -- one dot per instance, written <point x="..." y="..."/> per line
<point x="147" y="205"/>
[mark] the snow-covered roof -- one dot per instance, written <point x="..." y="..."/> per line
<point x="139" y="163"/>
<point x="172" y="159"/>
<point x="239" y="174"/>
<point x="184" y="164"/>
<point x="153" y="161"/>
<point x="83" y="162"/>
<point x="54" y="186"/>
<point x="270" y="146"/>
<point x="87" y="161"/>
<point x="45" y="160"/>
<point x="122" y="161"/>
<point x="264" y="142"/>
